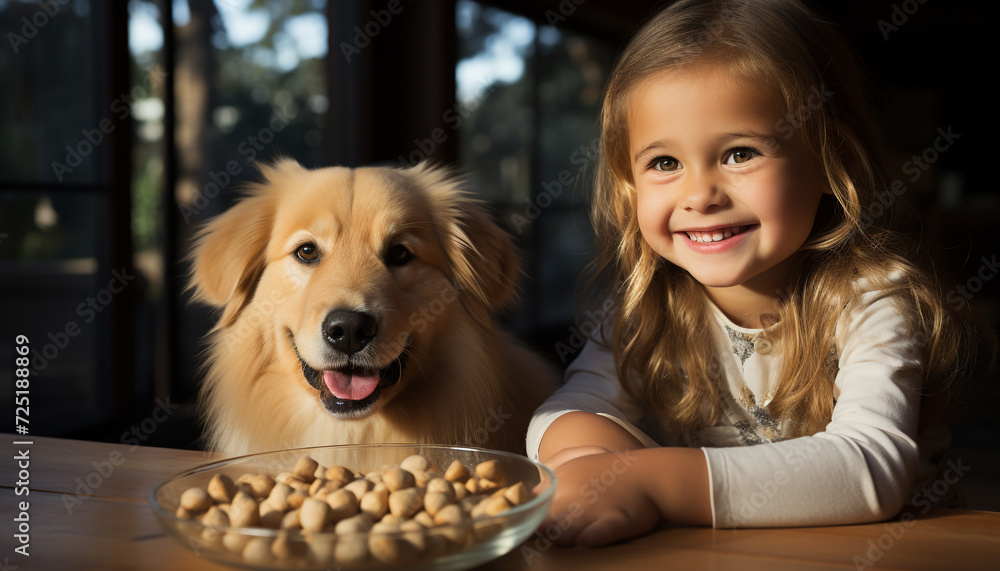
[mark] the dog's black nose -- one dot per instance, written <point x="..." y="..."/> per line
<point x="349" y="331"/>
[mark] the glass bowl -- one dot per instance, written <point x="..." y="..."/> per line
<point x="472" y="542"/>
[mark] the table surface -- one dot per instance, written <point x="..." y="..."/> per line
<point x="89" y="509"/>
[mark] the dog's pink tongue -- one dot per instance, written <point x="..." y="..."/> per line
<point x="353" y="385"/>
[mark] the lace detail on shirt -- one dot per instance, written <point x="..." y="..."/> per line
<point x="760" y="427"/>
<point x="742" y="344"/>
<point x="763" y="427"/>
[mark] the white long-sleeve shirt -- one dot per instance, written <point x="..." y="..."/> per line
<point x="863" y="467"/>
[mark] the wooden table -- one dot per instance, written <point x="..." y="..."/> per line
<point x="89" y="509"/>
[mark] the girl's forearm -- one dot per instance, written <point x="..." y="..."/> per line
<point x="676" y="480"/>
<point x="602" y="498"/>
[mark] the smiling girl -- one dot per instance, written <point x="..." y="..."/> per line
<point x="770" y="357"/>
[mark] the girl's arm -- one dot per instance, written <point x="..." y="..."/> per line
<point x="608" y="497"/>
<point x="579" y="433"/>
<point x="592" y="386"/>
<point x="610" y="486"/>
<point x="859" y="469"/>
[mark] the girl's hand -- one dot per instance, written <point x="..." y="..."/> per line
<point x="607" y="497"/>
<point x="601" y="498"/>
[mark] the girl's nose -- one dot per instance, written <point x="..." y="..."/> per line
<point x="702" y="192"/>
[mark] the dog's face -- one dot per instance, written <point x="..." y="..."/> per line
<point x="354" y="272"/>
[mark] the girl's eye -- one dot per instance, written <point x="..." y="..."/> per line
<point x="665" y="164"/>
<point x="398" y="255"/>
<point x="307" y="253"/>
<point x="741" y="155"/>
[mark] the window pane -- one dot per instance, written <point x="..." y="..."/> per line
<point x="530" y="144"/>
<point x="49" y="226"/>
<point x="572" y="72"/>
<point x="496" y="91"/>
<point x="53" y="290"/>
<point x="55" y="114"/>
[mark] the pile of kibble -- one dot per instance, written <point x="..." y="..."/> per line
<point x="396" y="515"/>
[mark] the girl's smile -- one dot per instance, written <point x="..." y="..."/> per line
<point x="717" y="239"/>
<point x="718" y="194"/>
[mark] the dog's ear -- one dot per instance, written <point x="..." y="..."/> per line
<point x="490" y="268"/>
<point x="229" y="253"/>
<point x="482" y="255"/>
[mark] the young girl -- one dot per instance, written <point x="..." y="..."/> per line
<point x="771" y="344"/>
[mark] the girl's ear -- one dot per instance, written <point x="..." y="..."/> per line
<point x="228" y="257"/>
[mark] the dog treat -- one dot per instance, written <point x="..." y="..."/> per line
<point x="195" y="500"/>
<point x="395" y="515"/>
<point x="415" y="463"/>
<point x="305" y="469"/>
<point x="339" y="474"/>
<point x="244" y="511"/>
<point x="517" y="494"/>
<point x="343" y="504"/>
<point x="313" y="514"/>
<point x="279" y="496"/>
<point x="456" y="472"/>
<point x="359" y="486"/>
<point x="490" y="470"/>
<point x="396" y="478"/>
<point x="222" y="488"/>
<point x="257" y="551"/>
<point x="376" y="502"/>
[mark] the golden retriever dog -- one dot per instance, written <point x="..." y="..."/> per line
<point x="357" y="306"/>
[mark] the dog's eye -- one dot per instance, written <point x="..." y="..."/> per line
<point x="398" y="255"/>
<point x="307" y="253"/>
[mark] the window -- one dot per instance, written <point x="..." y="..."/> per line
<point x="63" y="268"/>
<point x="531" y="96"/>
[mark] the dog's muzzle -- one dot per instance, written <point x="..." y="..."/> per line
<point x="350" y="390"/>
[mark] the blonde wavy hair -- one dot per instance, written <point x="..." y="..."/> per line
<point x="662" y="327"/>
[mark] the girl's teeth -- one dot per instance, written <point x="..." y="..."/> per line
<point x="716" y="236"/>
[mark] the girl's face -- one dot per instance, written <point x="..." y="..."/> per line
<point x="720" y="191"/>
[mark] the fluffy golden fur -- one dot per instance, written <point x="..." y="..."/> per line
<point x="407" y="248"/>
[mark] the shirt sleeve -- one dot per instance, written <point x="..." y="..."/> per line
<point x="862" y="466"/>
<point x="592" y="386"/>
